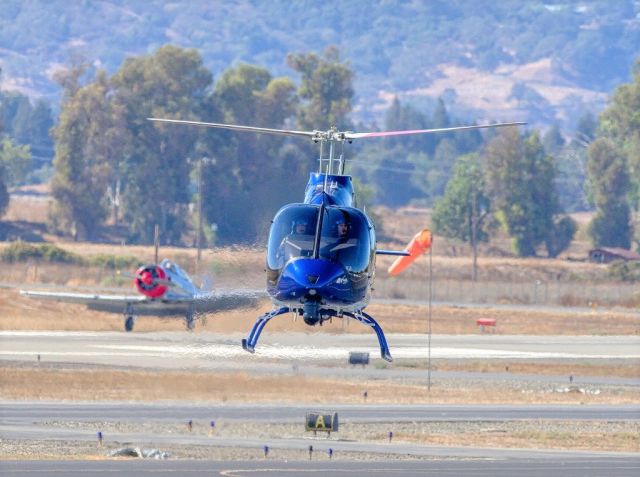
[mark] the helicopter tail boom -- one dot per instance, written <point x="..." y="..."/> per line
<point x="397" y="253"/>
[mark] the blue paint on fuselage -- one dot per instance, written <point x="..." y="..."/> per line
<point x="330" y="282"/>
<point x="338" y="190"/>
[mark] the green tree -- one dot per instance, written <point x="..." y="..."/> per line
<point x="4" y="194"/>
<point x="609" y="182"/>
<point x="82" y="165"/>
<point x="621" y="123"/>
<point x="326" y="89"/>
<point x="462" y="210"/>
<point x="154" y="164"/>
<point x="586" y="128"/>
<point x="27" y="125"/>
<point x="520" y="177"/>
<point x="16" y="161"/>
<point x="249" y="179"/>
<point x="553" y="140"/>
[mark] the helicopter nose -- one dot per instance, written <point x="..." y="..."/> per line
<point x="312" y="272"/>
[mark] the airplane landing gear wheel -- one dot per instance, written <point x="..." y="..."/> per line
<point x="128" y="323"/>
<point x="190" y="322"/>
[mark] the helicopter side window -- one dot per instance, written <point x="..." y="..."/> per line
<point x="292" y="234"/>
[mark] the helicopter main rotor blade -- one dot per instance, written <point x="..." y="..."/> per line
<point x="332" y="134"/>
<point x="233" y="127"/>
<point x="352" y="135"/>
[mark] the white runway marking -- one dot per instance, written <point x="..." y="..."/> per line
<point x="330" y="352"/>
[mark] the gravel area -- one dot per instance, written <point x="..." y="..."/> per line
<point x="65" y="450"/>
<point x="552" y="434"/>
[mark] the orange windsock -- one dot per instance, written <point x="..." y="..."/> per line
<point x="419" y="244"/>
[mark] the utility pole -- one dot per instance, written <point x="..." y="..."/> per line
<point x="199" y="234"/>
<point x="474" y="230"/>
<point x="429" y="330"/>
<point x="156" y="243"/>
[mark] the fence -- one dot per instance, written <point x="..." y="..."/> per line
<point x="536" y="292"/>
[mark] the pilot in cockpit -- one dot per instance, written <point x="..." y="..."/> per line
<point x="300" y="227"/>
<point x="291" y="244"/>
<point x="342" y="230"/>
<point x="340" y="240"/>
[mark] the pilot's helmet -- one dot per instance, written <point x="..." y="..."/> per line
<point x="299" y="226"/>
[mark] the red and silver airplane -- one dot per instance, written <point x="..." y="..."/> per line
<point x="163" y="290"/>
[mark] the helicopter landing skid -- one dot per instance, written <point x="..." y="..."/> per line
<point x="368" y="320"/>
<point x="249" y="344"/>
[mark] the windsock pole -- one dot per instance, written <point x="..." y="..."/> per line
<point x="420" y="243"/>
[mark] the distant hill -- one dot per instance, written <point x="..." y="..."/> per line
<point x="533" y="60"/>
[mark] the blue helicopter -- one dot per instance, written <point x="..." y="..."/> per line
<point x="321" y="253"/>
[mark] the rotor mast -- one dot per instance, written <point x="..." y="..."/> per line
<point x="331" y="165"/>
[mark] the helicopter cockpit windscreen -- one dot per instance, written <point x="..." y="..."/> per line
<point x="344" y="236"/>
<point x="292" y="234"/>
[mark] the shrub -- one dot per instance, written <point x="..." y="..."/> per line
<point x="625" y="271"/>
<point x="23" y="252"/>
<point x="114" y="262"/>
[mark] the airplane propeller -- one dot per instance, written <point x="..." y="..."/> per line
<point x="146" y="277"/>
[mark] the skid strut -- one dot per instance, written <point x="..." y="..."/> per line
<point x="368" y="320"/>
<point x="249" y="344"/>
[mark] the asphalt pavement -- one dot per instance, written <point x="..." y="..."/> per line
<point x="582" y="466"/>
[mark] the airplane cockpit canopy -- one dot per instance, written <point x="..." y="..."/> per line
<point x="345" y="236"/>
<point x="174" y="268"/>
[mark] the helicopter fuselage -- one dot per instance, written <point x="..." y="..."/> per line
<point x="321" y="253"/>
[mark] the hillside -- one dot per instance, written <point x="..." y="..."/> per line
<point x="487" y="59"/>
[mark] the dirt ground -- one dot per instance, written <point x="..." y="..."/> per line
<point x="56" y="382"/>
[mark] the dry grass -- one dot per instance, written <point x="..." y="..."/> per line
<point x="92" y="384"/>
<point x="533" y="368"/>
<point x="604" y="440"/>
<point x="462" y="320"/>
<point x="32" y="209"/>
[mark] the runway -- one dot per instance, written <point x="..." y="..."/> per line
<point x="24" y="413"/>
<point x="567" y="467"/>
<point x="320" y="354"/>
<point x="198" y="348"/>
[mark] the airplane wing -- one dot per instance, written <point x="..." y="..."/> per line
<point x="170" y="304"/>
<point x="85" y="298"/>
